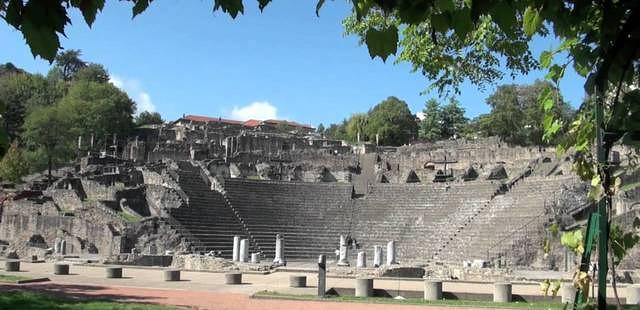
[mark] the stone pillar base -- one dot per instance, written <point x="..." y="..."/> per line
<point x="233" y="278"/>
<point x="432" y="290"/>
<point x="298" y="281"/>
<point x="502" y="292"/>
<point x="172" y="275"/>
<point x="114" y="272"/>
<point x="61" y="269"/>
<point x="12" y="265"/>
<point x="364" y="287"/>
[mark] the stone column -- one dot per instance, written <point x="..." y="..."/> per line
<point x="236" y="248"/>
<point x="255" y="258"/>
<point x="432" y="290"/>
<point x="568" y="293"/>
<point x="633" y="295"/>
<point x="501" y="292"/>
<point x="344" y="252"/>
<point x="391" y="253"/>
<point x="279" y="259"/>
<point x="63" y="247"/>
<point x="362" y="260"/>
<point x="322" y="275"/>
<point x="56" y="246"/>
<point x="244" y="250"/>
<point x="377" y="256"/>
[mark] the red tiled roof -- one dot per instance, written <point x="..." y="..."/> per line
<point x="290" y="123"/>
<point x="252" y="123"/>
<point x="206" y="119"/>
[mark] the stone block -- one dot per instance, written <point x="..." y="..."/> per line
<point x="233" y="278"/>
<point x="61" y="269"/>
<point x="298" y="281"/>
<point x="364" y="287"/>
<point x="502" y="292"/>
<point x="432" y="290"/>
<point x="114" y="272"/>
<point x="172" y="275"/>
<point x="633" y="294"/>
<point x="12" y="265"/>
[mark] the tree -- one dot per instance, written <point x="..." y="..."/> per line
<point x="453" y="119"/>
<point x="92" y="73"/>
<point x="100" y="109"/>
<point x="69" y="63"/>
<point x="9" y="68"/>
<point x="357" y="127"/>
<point x="517" y="117"/>
<point x="392" y="121"/>
<point x="22" y="92"/>
<point x="148" y="118"/>
<point x="320" y="129"/>
<point x="337" y="131"/>
<point x="430" y="127"/>
<point x="46" y="131"/>
<point x="13" y="165"/>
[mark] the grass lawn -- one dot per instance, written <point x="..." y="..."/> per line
<point x="420" y="301"/>
<point x="38" y="301"/>
<point x="8" y="278"/>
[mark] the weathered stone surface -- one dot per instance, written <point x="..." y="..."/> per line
<point x="233" y="278"/>
<point x="61" y="269"/>
<point x="502" y="292"/>
<point x="432" y="290"/>
<point x="297" y="281"/>
<point x="171" y="275"/>
<point x="364" y="287"/>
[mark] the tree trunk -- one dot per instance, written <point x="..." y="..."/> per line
<point x="50" y="162"/>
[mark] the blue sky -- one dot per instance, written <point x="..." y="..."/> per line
<point x="179" y="58"/>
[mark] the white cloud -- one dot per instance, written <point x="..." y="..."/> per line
<point x="260" y="110"/>
<point x="420" y="115"/>
<point x="134" y="89"/>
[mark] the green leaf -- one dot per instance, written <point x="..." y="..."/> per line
<point x="231" y="7"/>
<point x="545" y="59"/>
<point x="445" y="5"/>
<point x="140" y="6"/>
<point x="13" y="15"/>
<point x="440" y="22"/>
<point x="555" y="73"/>
<point x="531" y="21"/>
<point x="462" y="22"/>
<point x="319" y="6"/>
<point x="504" y="15"/>
<point x="572" y="239"/>
<point x="263" y="4"/>
<point x="382" y="43"/>
<point x="89" y="9"/>
<point x="595" y="181"/>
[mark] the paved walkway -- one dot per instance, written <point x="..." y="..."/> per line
<point x="207" y="290"/>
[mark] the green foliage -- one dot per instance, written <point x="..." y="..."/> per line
<point x="453" y="119"/>
<point x="92" y="73"/>
<point x="392" y="120"/>
<point x="357" y="126"/>
<point x="337" y="131"/>
<point x="320" y="129"/>
<point x="69" y="63"/>
<point x="430" y="128"/>
<point x="148" y="118"/>
<point x="46" y="132"/>
<point x="33" y="300"/>
<point x="22" y="92"/>
<point x="621" y="242"/>
<point x="517" y="117"/>
<point x="573" y="240"/>
<point x="13" y="165"/>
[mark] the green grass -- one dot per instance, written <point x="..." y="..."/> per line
<point x="8" y="278"/>
<point x="38" y="301"/>
<point x="414" y="301"/>
<point x="129" y="218"/>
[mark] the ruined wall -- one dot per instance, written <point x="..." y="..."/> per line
<point x="88" y="231"/>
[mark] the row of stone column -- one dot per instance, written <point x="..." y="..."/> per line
<point x="362" y="256"/>
<point x="241" y="251"/>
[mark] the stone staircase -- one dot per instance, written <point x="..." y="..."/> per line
<point x="207" y="217"/>
<point x="311" y="216"/>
